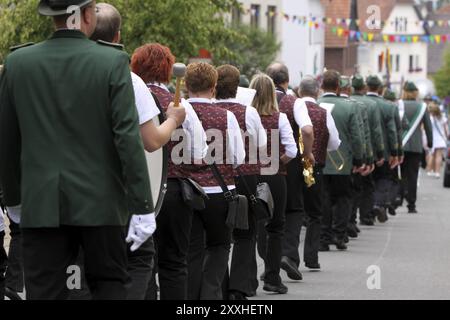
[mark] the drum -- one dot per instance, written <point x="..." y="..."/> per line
<point x="157" y="163"/>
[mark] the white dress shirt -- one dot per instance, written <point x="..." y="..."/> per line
<point x="193" y="129"/>
<point x="145" y="104"/>
<point x="253" y="123"/>
<point x="301" y="113"/>
<point x="287" y="136"/>
<point x="234" y="142"/>
<point x="334" y="142"/>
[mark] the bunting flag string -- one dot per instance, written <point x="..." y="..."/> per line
<point x="319" y="21"/>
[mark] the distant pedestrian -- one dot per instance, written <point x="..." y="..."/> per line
<point x="440" y="139"/>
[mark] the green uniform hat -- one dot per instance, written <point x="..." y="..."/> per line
<point x="358" y="82"/>
<point x="410" y="86"/>
<point x="345" y="82"/>
<point x="244" y="82"/>
<point x="59" y="7"/>
<point x="374" y="81"/>
<point x="390" y="95"/>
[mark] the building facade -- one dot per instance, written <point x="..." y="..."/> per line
<point x="302" y="47"/>
<point x="405" y="58"/>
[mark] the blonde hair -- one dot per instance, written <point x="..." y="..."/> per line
<point x="435" y="110"/>
<point x="265" y="100"/>
<point x="410" y="95"/>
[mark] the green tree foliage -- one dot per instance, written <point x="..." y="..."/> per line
<point x="442" y="78"/>
<point x="184" y="25"/>
<point x="252" y="52"/>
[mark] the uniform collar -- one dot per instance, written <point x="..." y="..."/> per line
<point x="66" y="33"/>
<point x="343" y="95"/>
<point x="281" y="90"/>
<point x="159" y="85"/>
<point x="329" y="94"/>
<point x="373" y="94"/>
<point x="309" y="99"/>
<point x="231" y="100"/>
<point x="200" y="100"/>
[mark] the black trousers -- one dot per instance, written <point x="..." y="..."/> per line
<point x="48" y="253"/>
<point x="336" y="208"/>
<point x="365" y="200"/>
<point x="314" y="210"/>
<point x="295" y="212"/>
<point x="243" y="272"/>
<point x="172" y="239"/>
<point x="410" y="175"/>
<point x="3" y="262"/>
<point x="383" y="186"/>
<point x="271" y="232"/>
<point x="14" y="272"/>
<point x="140" y="269"/>
<point x="357" y="191"/>
<point x="209" y="250"/>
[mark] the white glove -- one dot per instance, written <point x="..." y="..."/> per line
<point x="14" y="213"/>
<point x="141" y="229"/>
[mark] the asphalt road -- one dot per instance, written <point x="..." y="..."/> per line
<point x="411" y="251"/>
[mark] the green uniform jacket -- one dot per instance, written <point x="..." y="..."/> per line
<point x="415" y="143"/>
<point x="70" y="128"/>
<point x="345" y="116"/>
<point x="376" y="132"/>
<point x="401" y="124"/>
<point x="388" y="127"/>
<point x="365" y="131"/>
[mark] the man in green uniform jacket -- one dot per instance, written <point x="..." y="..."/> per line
<point x="76" y="168"/>
<point x="341" y="164"/>
<point x="365" y="202"/>
<point x="417" y="115"/>
<point x="382" y="174"/>
<point x="357" y="179"/>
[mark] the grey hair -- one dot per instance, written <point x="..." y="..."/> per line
<point x="109" y="22"/>
<point x="309" y="87"/>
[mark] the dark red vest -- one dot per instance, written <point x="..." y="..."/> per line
<point x="174" y="171"/>
<point x="318" y="117"/>
<point x="286" y="105"/>
<point x="273" y="123"/>
<point x="213" y="117"/>
<point x="239" y="111"/>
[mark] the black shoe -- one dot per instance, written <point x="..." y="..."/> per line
<point x="380" y="213"/>
<point x="280" y="288"/>
<point x="340" y="245"/>
<point x="413" y="211"/>
<point x="324" y="247"/>
<point x="346" y="239"/>
<point x="352" y="233"/>
<point x="367" y="222"/>
<point x="392" y="211"/>
<point x="236" y="295"/>
<point x="312" y="266"/>
<point x="12" y="295"/>
<point x="291" y="269"/>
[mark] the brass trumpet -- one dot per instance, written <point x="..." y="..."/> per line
<point x="333" y="162"/>
<point x="308" y="169"/>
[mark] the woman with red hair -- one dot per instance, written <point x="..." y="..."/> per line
<point x="153" y="63"/>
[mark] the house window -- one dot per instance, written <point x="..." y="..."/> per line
<point x="271" y="19"/>
<point x="418" y="68"/>
<point x="255" y="11"/>
<point x="236" y="16"/>
<point x="411" y="63"/>
<point x="401" y="24"/>
<point x="397" y="63"/>
<point x="380" y="62"/>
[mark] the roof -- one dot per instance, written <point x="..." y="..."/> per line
<point x="336" y="9"/>
<point x="436" y="53"/>
<point x="444" y="10"/>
